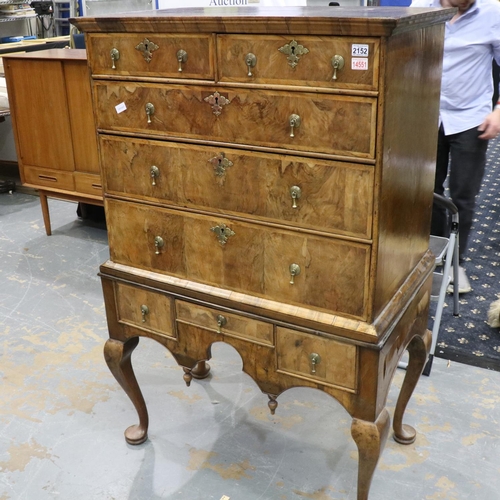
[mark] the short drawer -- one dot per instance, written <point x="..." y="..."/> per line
<point x="55" y="179"/>
<point x="88" y="184"/>
<point x="153" y="55"/>
<point x="143" y="309"/>
<point x="316" y="358"/>
<point x="280" y="265"/>
<point x="232" y="325"/>
<point x="310" y="61"/>
<point x="325" y="195"/>
<point x="291" y="121"/>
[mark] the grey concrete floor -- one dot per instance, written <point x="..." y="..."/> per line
<point x="62" y="415"/>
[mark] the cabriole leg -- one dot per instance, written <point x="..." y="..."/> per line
<point x="370" y="439"/>
<point x="118" y="357"/>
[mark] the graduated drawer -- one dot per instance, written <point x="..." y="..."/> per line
<point x="316" y="358"/>
<point x="256" y="259"/>
<point x="143" y="309"/>
<point x="88" y="183"/>
<point x="54" y="179"/>
<point x="325" y="195"/>
<point x="330" y="124"/>
<point x="232" y="325"/>
<point x="300" y="60"/>
<point x="147" y="54"/>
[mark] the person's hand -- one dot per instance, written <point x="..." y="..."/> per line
<point x="490" y="128"/>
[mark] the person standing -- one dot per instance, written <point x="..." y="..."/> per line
<point x="466" y="120"/>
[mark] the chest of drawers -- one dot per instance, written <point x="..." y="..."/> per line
<point x="268" y="179"/>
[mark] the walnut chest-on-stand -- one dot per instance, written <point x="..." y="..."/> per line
<point x="268" y="178"/>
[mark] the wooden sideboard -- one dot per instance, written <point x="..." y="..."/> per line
<point x="268" y="178"/>
<point x="54" y="131"/>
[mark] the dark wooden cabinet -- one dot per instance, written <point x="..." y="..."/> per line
<point x="268" y="179"/>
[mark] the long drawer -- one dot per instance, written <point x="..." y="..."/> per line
<point x="325" y="195"/>
<point x="284" y="266"/>
<point x="294" y="121"/>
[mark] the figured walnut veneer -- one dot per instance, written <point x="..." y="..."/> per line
<point x="272" y="203"/>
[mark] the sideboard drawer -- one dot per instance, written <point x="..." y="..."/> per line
<point x="317" y="358"/>
<point x="143" y="309"/>
<point x="153" y="55"/>
<point x="244" y="257"/>
<point x="232" y="325"/>
<point x="322" y="123"/>
<point x="88" y="183"/>
<point x="44" y="177"/>
<point x="301" y="192"/>
<point x="300" y="60"/>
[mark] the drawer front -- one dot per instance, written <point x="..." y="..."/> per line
<point x="329" y="124"/>
<point x="243" y="257"/>
<point x="224" y="323"/>
<point x="143" y="309"/>
<point x="54" y="179"/>
<point x="316" y="358"/>
<point x="303" y="61"/>
<point x="147" y="54"/>
<point x="329" y="196"/>
<point x="88" y="184"/>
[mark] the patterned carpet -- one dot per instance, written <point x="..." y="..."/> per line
<point x="468" y="338"/>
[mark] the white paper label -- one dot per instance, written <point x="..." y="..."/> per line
<point x="360" y="50"/>
<point x="359" y="63"/>
<point x="120" y="108"/>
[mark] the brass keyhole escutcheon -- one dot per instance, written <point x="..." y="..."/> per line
<point x="294" y="271"/>
<point x="154" y="172"/>
<point x="223" y="233"/>
<point x="150" y="111"/>
<point x="144" y="312"/>
<point x="220" y="164"/>
<point x="294" y="121"/>
<point x="115" y="55"/>
<point x="221" y="321"/>
<point x="295" y="193"/>
<point x="250" y="61"/>
<point x="314" y="359"/>
<point x="159" y="243"/>
<point x="147" y="47"/>
<point x="217" y="101"/>
<point x="182" y="57"/>
<point x="293" y="51"/>
<point x="337" y="63"/>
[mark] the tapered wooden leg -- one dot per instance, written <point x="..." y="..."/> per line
<point x="418" y="350"/>
<point x="118" y="357"/>
<point x="201" y="370"/>
<point x="45" y="212"/>
<point x="370" y="439"/>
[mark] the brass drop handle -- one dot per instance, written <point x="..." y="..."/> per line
<point x="295" y="193"/>
<point x="221" y="321"/>
<point x="337" y="63"/>
<point x="115" y="55"/>
<point x="294" y="123"/>
<point x="294" y="271"/>
<point x="250" y="61"/>
<point x="154" y="172"/>
<point x="314" y="359"/>
<point x="159" y="243"/>
<point x="182" y="57"/>
<point x="144" y="312"/>
<point x="150" y="111"/>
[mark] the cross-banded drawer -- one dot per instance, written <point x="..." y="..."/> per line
<point x="152" y="55"/>
<point x="294" y="121"/>
<point x="284" y="266"/>
<point x="301" y="192"/>
<point x="144" y="309"/>
<point x="224" y="323"/>
<point x="310" y="61"/>
<point x="316" y="358"/>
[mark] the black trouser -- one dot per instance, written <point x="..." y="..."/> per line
<point x="463" y="156"/>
